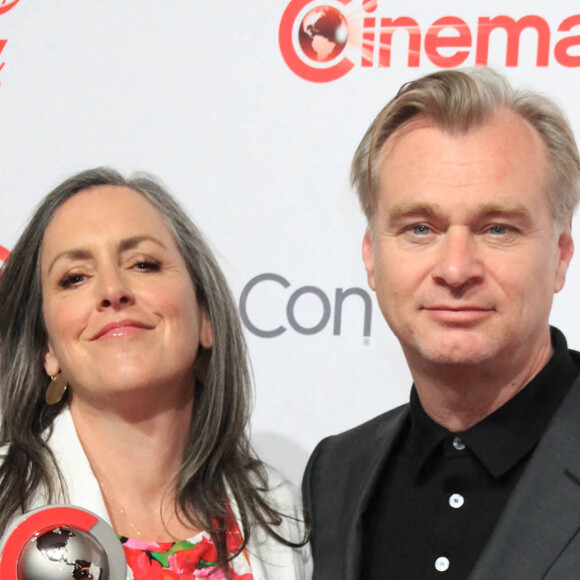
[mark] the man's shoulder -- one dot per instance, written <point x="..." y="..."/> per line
<point x="358" y="445"/>
<point x="575" y="356"/>
<point x="366" y="433"/>
<point x="341" y="466"/>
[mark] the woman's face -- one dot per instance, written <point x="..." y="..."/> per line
<point x="119" y="305"/>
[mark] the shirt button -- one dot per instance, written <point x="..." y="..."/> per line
<point x="458" y="443"/>
<point x="456" y="500"/>
<point x="442" y="564"/>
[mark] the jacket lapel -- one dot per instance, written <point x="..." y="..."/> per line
<point x="370" y="466"/>
<point x="543" y="514"/>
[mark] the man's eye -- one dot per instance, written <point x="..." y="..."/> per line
<point x="499" y="230"/>
<point x="421" y="230"/>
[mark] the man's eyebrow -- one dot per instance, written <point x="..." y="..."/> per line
<point x="86" y="254"/>
<point x="508" y="208"/>
<point x="421" y="209"/>
<point x="410" y="209"/>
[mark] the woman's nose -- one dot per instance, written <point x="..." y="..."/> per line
<point x="114" y="291"/>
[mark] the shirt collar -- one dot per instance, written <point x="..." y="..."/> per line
<point x="502" y="439"/>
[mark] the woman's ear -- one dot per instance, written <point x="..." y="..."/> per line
<point x="50" y="362"/>
<point x="206" y="332"/>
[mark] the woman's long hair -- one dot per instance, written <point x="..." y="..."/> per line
<point x="218" y="454"/>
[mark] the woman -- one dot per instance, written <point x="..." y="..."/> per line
<point x="125" y="384"/>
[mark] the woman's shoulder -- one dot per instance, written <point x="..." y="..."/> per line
<point x="272" y="558"/>
<point x="284" y="497"/>
<point x="280" y="492"/>
<point x="274" y="478"/>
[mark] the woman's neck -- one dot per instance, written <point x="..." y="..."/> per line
<point x="136" y="461"/>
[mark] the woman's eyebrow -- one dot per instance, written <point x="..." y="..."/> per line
<point x="74" y="254"/>
<point x="86" y="254"/>
<point x="134" y="241"/>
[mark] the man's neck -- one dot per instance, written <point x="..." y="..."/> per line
<point x="458" y="397"/>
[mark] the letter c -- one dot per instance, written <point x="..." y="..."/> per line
<point x="244" y="299"/>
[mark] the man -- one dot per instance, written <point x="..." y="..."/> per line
<point x="469" y="189"/>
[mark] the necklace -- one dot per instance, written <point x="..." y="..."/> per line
<point x="114" y="503"/>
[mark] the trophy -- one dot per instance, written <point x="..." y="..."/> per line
<point x="57" y="542"/>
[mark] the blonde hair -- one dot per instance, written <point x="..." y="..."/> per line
<point x="458" y="101"/>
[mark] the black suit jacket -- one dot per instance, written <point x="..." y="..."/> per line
<point x="536" y="536"/>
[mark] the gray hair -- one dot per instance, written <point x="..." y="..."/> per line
<point x="218" y="451"/>
<point x="458" y="101"/>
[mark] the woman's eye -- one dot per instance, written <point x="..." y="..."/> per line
<point x="71" y="280"/>
<point x="147" y="266"/>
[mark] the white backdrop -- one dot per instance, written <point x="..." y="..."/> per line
<point x="255" y="137"/>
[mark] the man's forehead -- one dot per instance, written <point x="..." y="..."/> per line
<point x="505" y="151"/>
<point x="501" y="117"/>
<point x="417" y="122"/>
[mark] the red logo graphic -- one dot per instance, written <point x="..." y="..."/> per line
<point x="321" y="42"/>
<point x="323" y="33"/>
<point x="4" y="253"/>
<point x="322" y="36"/>
<point x="2" y="45"/>
<point x="5" y="7"/>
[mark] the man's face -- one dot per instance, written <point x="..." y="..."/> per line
<point x="463" y="253"/>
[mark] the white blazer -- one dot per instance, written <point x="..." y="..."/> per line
<point x="269" y="559"/>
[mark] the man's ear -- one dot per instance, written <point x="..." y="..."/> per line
<point x="368" y="259"/>
<point x="565" y="253"/>
<point x="50" y="362"/>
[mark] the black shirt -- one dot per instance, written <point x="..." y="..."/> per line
<point x="441" y="494"/>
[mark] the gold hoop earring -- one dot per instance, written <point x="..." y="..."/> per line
<point x="56" y="390"/>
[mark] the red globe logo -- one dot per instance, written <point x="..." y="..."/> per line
<point x="323" y="33"/>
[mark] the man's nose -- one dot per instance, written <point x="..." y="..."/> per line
<point x="458" y="260"/>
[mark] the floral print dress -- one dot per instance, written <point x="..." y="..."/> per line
<point x="188" y="560"/>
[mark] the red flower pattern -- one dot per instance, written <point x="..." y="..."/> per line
<point x="187" y="561"/>
<point x="144" y="567"/>
<point x="191" y="563"/>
